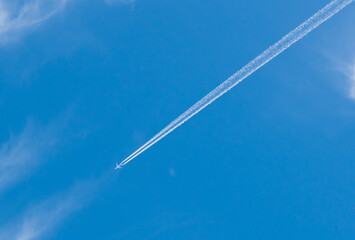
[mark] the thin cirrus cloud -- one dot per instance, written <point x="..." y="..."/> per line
<point x="17" y="16"/>
<point x="351" y="76"/>
<point x="21" y="154"/>
<point x="42" y="219"/>
<point x="348" y="70"/>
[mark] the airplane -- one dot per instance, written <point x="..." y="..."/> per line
<point x="117" y="166"/>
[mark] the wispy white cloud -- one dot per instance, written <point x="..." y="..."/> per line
<point x="43" y="218"/>
<point x="351" y="76"/>
<point x="23" y="153"/>
<point x="348" y="70"/>
<point x="19" y="157"/>
<point x="18" y="15"/>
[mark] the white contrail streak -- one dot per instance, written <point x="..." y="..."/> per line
<point x="298" y="33"/>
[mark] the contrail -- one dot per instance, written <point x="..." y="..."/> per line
<point x="287" y="41"/>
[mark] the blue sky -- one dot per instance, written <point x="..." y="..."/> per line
<point x="85" y="83"/>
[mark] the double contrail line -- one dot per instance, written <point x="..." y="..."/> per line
<point x="287" y="41"/>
